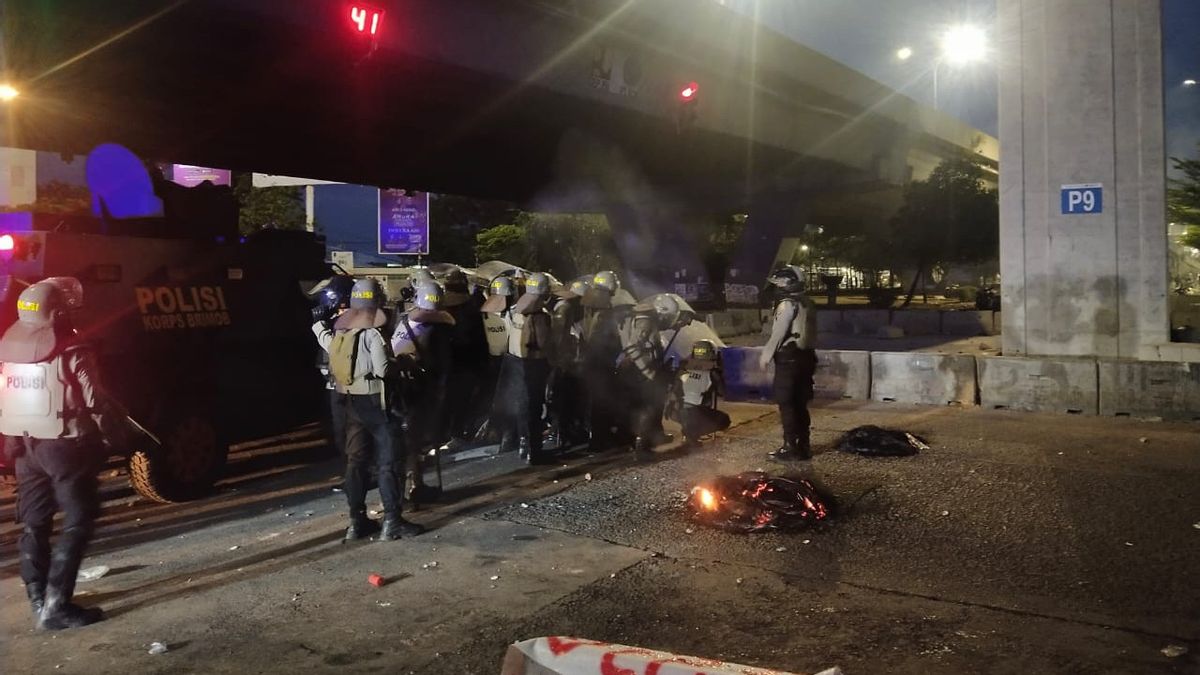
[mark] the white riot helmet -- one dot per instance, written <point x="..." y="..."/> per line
<point x="606" y="280"/>
<point x="537" y="284"/>
<point x="429" y="297"/>
<point x="789" y="279"/>
<point x="672" y="311"/>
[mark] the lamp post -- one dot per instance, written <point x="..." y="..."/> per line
<point x="8" y="92"/>
<point x="958" y="46"/>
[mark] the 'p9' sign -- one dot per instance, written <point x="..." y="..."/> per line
<point x="1083" y="198"/>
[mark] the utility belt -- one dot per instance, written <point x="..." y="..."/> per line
<point x="363" y="386"/>
<point x="792" y="352"/>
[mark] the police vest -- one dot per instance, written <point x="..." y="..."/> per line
<point x="696" y="385"/>
<point x="522" y="340"/>
<point x="801" y="316"/>
<point x="33" y="400"/>
<point x="497" y="334"/>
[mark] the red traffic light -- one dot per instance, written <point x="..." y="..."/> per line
<point x="366" y="19"/>
<point x="689" y="92"/>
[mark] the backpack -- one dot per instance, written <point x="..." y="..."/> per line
<point x="343" y="353"/>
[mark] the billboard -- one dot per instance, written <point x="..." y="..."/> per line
<point x="403" y="222"/>
<point x="191" y="176"/>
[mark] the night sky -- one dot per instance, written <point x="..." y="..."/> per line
<point x="865" y="34"/>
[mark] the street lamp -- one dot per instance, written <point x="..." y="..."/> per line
<point x="960" y="45"/>
<point x="904" y="53"/>
<point x="1189" y="82"/>
<point x="8" y="92"/>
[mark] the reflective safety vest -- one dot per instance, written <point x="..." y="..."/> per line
<point x="497" y="333"/>
<point x="696" y="385"/>
<point x="33" y="400"/>
<point x="522" y="338"/>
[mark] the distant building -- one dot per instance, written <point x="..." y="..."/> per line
<point x="18" y="177"/>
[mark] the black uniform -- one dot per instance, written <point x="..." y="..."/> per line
<point x="52" y="411"/>
<point x="792" y="347"/>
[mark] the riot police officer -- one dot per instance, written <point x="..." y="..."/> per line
<point x="501" y="297"/>
<point x="469" y="344"/>
<point x="792" y="347"/>
<point x="332" y="297"/>
<point x="359" y="358"/>
<point x="641" y="368"/>
<point x="423" y="346"/>
<point x="526" y="366"/>
<point x="567" y="393"/>
<point x="601" y="345"/>
<point x="56" y="421"/>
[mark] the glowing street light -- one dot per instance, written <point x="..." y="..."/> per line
<point x="961" y="45"/>
<point x="904" y="53"/>
<point x="8" y="92"/>
<point x="1189" y="83"/>
<point x="964" y="44"/>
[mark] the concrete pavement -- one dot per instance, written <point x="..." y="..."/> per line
<point x="1018" y="543"/>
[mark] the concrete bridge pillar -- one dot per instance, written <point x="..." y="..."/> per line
<point x="1083" y="249"/>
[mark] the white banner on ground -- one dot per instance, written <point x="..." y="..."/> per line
<point x="574" y="656"/>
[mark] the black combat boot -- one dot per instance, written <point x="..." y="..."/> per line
<point x="395" y="527"/>
<point x="792" y="450"/>
<point x="361" y="527"/>
<point x="59" y="613"/>
<point x="641" y="449"/>
<point x="508" y="441"/>
<point x="37" y="598"/>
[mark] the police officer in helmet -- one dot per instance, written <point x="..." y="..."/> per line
<point x="792" y="347"/>
<point x="526" y="368"/>
<point x="56" y="423"/>
<point x="332" y="297"/>
<point x="359" y="359"/>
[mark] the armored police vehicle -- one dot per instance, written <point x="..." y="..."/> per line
<point x="202" y="335"/>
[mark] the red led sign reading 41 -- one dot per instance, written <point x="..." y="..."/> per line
<point x="366" y="19"/>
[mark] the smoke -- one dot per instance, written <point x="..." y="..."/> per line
<point x="650" y="227"/>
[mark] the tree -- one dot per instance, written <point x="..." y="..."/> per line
<point x="571" y="244"/>
<point x="278" y="208"/>
<point x="950" y="217"/>
<point x="1183" y="199"/>
<point x="509" y="243"/>
<point x="455" y="222"/>
<point x="58" y="197"/>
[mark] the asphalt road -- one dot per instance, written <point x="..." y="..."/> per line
<point x="1018" y="543"/>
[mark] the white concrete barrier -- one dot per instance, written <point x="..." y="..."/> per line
<point x="969" y="323"/>
<point x="573" y="656"/>
<point x="831" y="321"/>
<point x="1147" y="389"/>
<point x="842" y="374"/>
<point x="1038" y="384"/>
<point x="731" y="322"/>
<point x="930" y="379"/>
<point x="866" y="321"/>
<point x="917" y="322"/>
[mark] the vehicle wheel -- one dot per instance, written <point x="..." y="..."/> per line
<point x="185" y="467"/>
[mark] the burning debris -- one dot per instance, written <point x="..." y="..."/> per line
<point x="880" y="442"/>
<point x="756" y="501"/>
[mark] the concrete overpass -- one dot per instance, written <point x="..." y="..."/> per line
<point x="555" y="103"/>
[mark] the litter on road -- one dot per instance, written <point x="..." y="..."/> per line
<point x="1174" y="651"/>
<point x="376" y="580"/>
<point x="879" y="442"/>
<point x="157" y="648"/>
<point x="91" y="573"/>
<point x="756" y="501"/>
